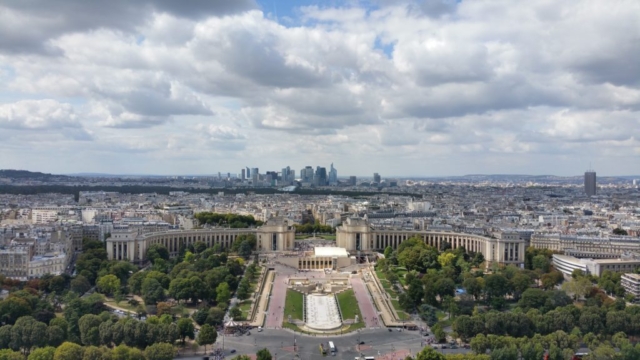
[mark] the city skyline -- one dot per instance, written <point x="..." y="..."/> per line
<point x="406" y="88"/>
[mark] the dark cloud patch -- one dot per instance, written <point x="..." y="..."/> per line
<point x="27" y="25"/>
<point x="433" y="8"/>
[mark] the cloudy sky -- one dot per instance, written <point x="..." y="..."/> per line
<point x="433" y="87"/>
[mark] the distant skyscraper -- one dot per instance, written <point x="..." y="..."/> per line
<point x="248" y="173"/>
<point x="590" y="182"/>
<point x="306" y="174"/>
<point x="320" y="177"/>
<point x="352" y="180"/>
<point x="287" y="175"/>
<point x="255" y="175"/>
<point x="376" y="178"/>
<point x="243" y="175"/>
<point x="333" y="175"/>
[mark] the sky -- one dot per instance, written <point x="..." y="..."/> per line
<point x="402" y="88"/>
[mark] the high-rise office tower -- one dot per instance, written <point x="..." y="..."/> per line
<point x="590" y="183"/>
<point x="320" y="177"/>
<point x="376" y="178"/>
<point x="243" y="174"/>
<point x="352" y="180"/>
<point x="333" y="175"/>
<point x="255" y="175"/>
<point x="248" y="173"/>
<point x="306" y="174"/>
<point x="286" y="176"/>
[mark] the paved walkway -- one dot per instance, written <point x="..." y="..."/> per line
<point x="276" y="304"/>
<point x="366" y="307"/>
<point x="263" y="300"/>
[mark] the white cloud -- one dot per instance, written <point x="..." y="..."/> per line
<point x="484" y="84"/>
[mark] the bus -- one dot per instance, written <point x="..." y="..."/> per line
<point x="332" y="348"/>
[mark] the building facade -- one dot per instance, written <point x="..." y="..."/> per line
<point x="355" y="234"/>
<point x="132" y="244"/>
<point x="590" y="183"/>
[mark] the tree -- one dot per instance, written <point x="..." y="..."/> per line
<point x="55" y="335"/>
<point x="620" y="231"/>
<point x="245" y="249"/>
<point x="216" y="316"/>
<point x="428" y="314"/>
<point x="68" y="351"/>
<point x="467" y="326"/>
<point x="387" y="252"/>
<point x="446" y="259"/>
<point x="6" y="354"/>
<point x="235" y="312"/>
<point x="152" y="291"/>
<point x="45" y="353"/>
<point x="480" y="344"/>
<point x="223" y="294"/>
<point x="496" y="286"/>
<point x="445" y="287"/>
<point x="108" y="284"/>
<point x="89" y="329"/>
<point x="541" y="262"/>
<point x="579" y="287"/>
<point x="80" y="285"/>
<point x="12" y="308"/>
<point x="160" y="351"/>
<point x="243" y="290"/>
<point x="428" y="353"/>
<point x="185" y="329"/>
<point x="473" y="287"/>
<point x="439" y="333"/>
<point x="28" y="333"/>
<point x="551" y="279"/>
<point x="415" y="291"/>
<point x="520" y="283"/>
<point x="263" y="354"/>
<point x="207" y="336"/>
<point x="157" y="251"/>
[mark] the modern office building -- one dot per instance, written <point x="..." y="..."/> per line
<point x="352" y="180"/>
<point x="631" y="284"/>
<point x="567" y="264"/>
<point x="320" y="177"/>
<point x="306" y="174"/>
<point x="376" y="178"/>
<point x="243" y="174"/>
<point x="590" y="183"/>
<point x="333" y="176"/>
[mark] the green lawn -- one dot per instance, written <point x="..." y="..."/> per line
<point x="349" y="305"/>
<point x="401" y="272"/>
<point x="293" y="305"/>
<point x="245" y="306"/>
<point x="401" y="314"/>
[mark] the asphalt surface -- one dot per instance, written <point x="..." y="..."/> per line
<point x="281" y="344"/>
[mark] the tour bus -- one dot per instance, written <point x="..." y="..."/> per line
<point x="332" y="348"/>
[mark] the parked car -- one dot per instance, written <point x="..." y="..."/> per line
<point x="361" y="342"/>
<point x="233" y="351"/>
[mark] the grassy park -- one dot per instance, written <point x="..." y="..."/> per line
<point x="293" y="305"/>
<point x="348" y="305"/>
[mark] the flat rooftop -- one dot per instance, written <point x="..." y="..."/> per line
<point x="330" y="251"/>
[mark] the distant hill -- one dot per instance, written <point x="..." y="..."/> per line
<point x="28" y="175"/>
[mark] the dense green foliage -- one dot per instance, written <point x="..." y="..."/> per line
<point x="227" y="220"/>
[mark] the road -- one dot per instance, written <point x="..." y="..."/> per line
<point x="280" y="344"/>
